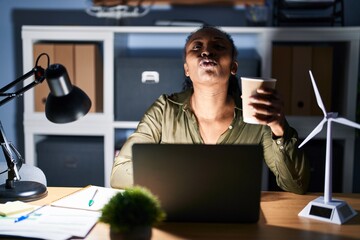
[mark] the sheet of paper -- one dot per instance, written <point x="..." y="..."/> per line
<point x="81" y="198"/>
<point x="51" y="223"/>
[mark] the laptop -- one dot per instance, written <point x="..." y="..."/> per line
<point x="202" y="183"/>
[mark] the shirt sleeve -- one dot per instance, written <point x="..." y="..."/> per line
<point x="148" y="131"/>
<point x="288" y="163"/>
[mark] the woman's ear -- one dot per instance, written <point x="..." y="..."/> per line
<point x="234" y="67"/>
<point x="186" y="69"/>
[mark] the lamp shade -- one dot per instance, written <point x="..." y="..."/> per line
<point x="65" y="103"/>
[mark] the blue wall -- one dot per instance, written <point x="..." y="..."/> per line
<point x="14" y="13"/>
<point x="11" y="112"/>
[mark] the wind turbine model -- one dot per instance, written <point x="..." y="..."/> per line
<point x="326" y="208"/>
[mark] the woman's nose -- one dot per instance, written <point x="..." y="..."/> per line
<point x="204" y="53"/>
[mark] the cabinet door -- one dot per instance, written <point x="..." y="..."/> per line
<point x="290" y="66"/>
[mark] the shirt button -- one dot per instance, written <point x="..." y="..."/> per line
<point x="281" y="147"/>
<point x="230" y="127"/>
<point x="184" y="107"/>
<point x="278" y="142"/>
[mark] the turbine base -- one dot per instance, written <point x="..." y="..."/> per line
<point x="336" y="211"/>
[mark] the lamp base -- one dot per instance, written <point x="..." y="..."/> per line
<point x="336" y="211"/>
<point x="25" y="191"/>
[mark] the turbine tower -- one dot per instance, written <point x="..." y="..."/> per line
<point x="326" y="208"/>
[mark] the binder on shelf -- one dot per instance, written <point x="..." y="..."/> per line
<point x="42" y="90"/>
<point x="64" y="54"/>
<point x="301" y="87"/>
<point x="88" y="73"/>
<point x="322" y="65"/>
<point x="282" y="71"/>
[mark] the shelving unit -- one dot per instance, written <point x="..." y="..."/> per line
<point x="115" y="40"/>
<point x="308" y="13"/>
<point x="187" y="2"/>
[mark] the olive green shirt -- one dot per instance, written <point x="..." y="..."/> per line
<point x="171" y="120"/>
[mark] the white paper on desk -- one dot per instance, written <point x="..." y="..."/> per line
<point x="80" y="199"/>
<point x="38" y="235"/>
<point x="51" y="223"/>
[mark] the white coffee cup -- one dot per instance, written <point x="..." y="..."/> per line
<point x="248" y="88"/>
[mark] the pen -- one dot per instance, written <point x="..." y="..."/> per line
<point x="91" y="202"/>
<point x="23" y="217"/>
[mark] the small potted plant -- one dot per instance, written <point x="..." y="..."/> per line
<point x="132" y="213"/>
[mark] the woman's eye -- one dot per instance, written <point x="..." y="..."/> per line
<point x="196" y="47"/>
<point x="219" y="47"/>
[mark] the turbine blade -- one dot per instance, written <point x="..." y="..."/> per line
<point x="316" y="130"/>
<point x="346" y="122"/>
<point x="317" y="94"/>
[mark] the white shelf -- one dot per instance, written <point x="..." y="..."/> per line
<point x="113" y="39"/>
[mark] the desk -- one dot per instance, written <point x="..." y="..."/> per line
<point x="278" y="220"/>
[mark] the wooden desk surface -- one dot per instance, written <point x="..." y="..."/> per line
<point x="278" y="220"/>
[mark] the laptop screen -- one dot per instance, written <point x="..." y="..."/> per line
<point x="202" y="183"/>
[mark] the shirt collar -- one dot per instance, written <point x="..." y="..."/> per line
<point x="183" y="99"/>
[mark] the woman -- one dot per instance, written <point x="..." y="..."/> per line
<point x="209" y="112"/>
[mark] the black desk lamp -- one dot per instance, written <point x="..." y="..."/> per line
<point x="65" y="103"/>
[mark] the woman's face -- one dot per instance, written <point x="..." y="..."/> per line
<point x="208" y="58"/>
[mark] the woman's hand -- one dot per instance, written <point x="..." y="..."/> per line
<point x="268" y="109"/>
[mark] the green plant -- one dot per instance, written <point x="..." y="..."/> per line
<point x="135" y="207"/>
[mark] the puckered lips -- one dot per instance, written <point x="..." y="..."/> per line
<point x="207" y="63"/>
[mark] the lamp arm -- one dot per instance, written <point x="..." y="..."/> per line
<point x="39" y="73"/>
<point x="13" y="164"/>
